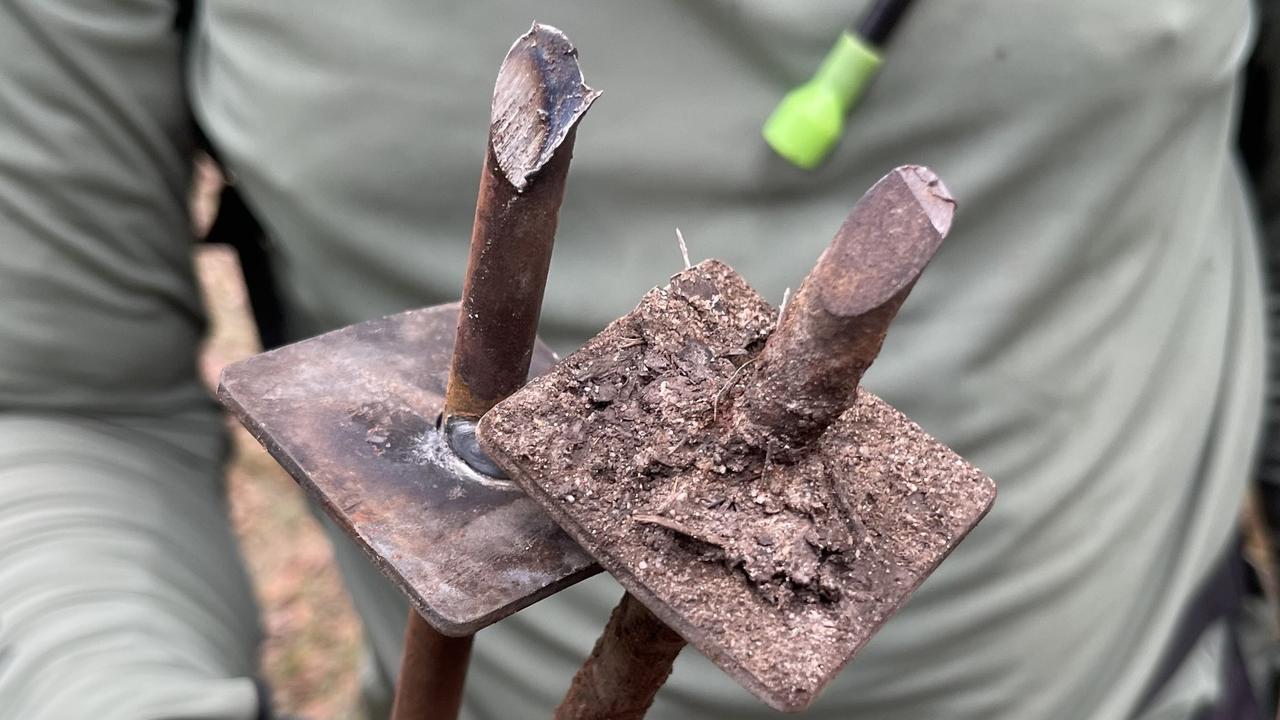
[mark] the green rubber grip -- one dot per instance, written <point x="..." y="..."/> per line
<point x="809" y="121"/>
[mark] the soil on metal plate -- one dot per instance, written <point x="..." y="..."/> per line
<point x="777" y="572"/>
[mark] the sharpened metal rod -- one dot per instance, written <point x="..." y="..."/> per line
<point x="538" y="100"/>
<point x="833" y="328"/>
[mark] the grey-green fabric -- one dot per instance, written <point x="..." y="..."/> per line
<point x="122" y="595"/>
<point x="1090" y="335"/>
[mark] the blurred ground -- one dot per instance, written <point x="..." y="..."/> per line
<point x="312" y="636"/>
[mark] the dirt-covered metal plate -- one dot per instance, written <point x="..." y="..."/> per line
<point x="777" y="572"/>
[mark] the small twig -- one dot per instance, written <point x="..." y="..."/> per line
<point x="671" y="499"/>
<point x="684" y="249"/>
<point x="764" y="469"/>
<point x="786" y="295"/>
<point x="715" y="405"/>
<point x="852" y="526"/>
<point x="677" y="527"/>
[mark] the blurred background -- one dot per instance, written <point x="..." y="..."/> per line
<point x="312" y="635"/>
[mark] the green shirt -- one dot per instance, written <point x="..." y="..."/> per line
<point x="1090" y="335"/>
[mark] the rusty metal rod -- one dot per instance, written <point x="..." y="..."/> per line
<point x="537" y="102"/>
<point x="631" y="660"/>
<point x="538" y="99"/>
<point x="832" y="330"/>
<point x="807" y="375"/>
<point x="432" y="672"/>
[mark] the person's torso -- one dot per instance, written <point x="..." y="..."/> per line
<point x="1088" y="335"/>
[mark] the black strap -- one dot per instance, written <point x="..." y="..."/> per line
<point x="1219" y="597"/>
<point x="236" y="226"/>
<point x="185" y="11"/>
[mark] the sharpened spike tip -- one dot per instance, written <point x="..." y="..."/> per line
<point x="834" y="326"/>
<point x="538" y="99"/>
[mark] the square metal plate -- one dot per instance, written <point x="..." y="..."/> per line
<point x="351" y="415"/>
<point x="620" y="443"/>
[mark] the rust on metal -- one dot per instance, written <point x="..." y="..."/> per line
<point x="778" y="569"/>
<point x="833" y="328"/>
<point x="434" y="687"/>
<point x="538" y="100"/>
<point x="351" y="415"/>
<point x="377" y="421"/>
<point x="630" y="662"/>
